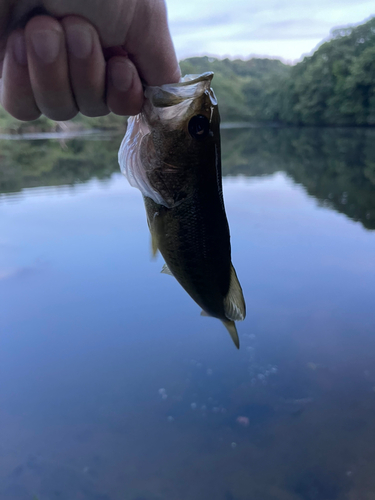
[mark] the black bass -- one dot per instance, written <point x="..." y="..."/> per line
<point x="171" y="152"/>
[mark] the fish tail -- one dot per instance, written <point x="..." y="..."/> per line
<point x="234" y="303"/>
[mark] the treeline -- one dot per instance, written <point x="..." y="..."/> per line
<point x="242" y="87"/>
<point x="334" y="86"/>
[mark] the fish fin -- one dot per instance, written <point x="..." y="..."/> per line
<point x="165" y="270"/>
<point x="154" y="246"/>
<point x="234" y="303"/>
<point x="154" y="234"/>
<point x="154" y="241"/>
<point x="231" y="327"/>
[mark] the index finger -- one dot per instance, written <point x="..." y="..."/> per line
<point x="149" y="44"/>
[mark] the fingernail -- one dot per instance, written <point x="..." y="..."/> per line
<point x="79" y="40"/>
<point x="19" y="48"/>
<point x="121" y="75"/>
<point x="46" y="44"/>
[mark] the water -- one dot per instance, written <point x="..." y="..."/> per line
<point x="113" y="387"/>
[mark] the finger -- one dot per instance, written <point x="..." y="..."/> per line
<point x="153" y="53"/>
<point x="124" y="88"/>
<point x="17" y="95"/>
<point x="87" y="66"/>
<point x="48" y="68"/>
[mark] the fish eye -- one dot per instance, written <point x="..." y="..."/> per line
<point x="199" y="127"/>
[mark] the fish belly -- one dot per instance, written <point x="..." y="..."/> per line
<point x="194" y="241"/>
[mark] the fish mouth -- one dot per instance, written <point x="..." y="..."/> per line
<point x="173" y="102"/>
<point x="170" y="94"/>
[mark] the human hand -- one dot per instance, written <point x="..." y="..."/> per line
<point x="85" y="55"/>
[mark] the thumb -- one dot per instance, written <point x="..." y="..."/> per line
<point x="149" y="44"/>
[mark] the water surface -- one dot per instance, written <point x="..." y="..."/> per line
<point x="113" y="387"/>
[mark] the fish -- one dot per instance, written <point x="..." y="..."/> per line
<point x="171" y="153"/>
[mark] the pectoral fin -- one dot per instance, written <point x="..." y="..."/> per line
<point x="231" y="327"/>
<point x="165" y="270"/>
<point x="153" y="227"/>
<point x="234" y="303"/>
<point x="154" y="244"/>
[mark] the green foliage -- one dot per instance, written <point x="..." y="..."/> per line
<point x="243" y="88"/>
<point x="336" y="85"/>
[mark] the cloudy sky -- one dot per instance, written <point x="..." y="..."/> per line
<point x="242" y="28"/>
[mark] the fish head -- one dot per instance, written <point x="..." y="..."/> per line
<point x="183" y="119"/>
<point x="173" y="140"/>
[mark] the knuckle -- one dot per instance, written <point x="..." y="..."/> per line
<point x="22" y="111"/>
<point x="61" y="115"/>
<point x="24" y="115"/>
<point x="44" y="21"/>
<point x="121" y="110"/>
<point x="95" y="113"/>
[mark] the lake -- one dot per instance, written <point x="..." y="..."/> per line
<point x="113" y="387"/>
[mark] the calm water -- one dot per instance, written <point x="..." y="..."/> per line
<point x="113" y="387"/>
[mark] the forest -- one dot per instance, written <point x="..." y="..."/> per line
<point x="335" y="86"/>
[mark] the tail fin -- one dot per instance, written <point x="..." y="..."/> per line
<point x="234" y="303"/>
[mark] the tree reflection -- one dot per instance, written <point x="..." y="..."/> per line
<point x="26" y="164"/>
<point x="336" y="166"/>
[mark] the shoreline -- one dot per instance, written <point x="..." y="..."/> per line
<point x="96" y="133"/>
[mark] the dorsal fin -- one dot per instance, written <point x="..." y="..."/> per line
<point x="231" y="327"/>
<point x="234" y="303"/>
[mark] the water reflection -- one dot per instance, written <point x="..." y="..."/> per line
<point x="25" y="164"/>
<point x="112" y="385"/>
<point x="336" y="166"/>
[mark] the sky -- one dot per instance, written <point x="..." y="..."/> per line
<point x="244" y="28"/>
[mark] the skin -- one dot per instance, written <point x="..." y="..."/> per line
<point x="103" y="49"/>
